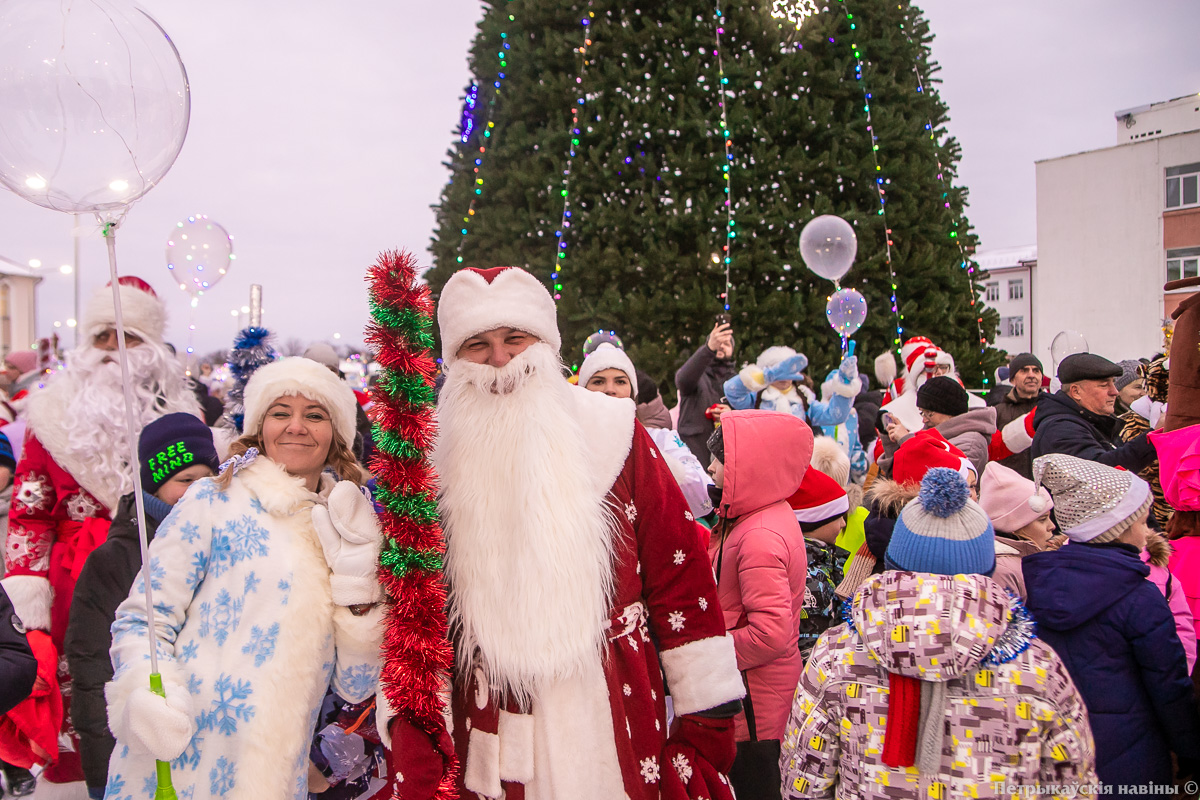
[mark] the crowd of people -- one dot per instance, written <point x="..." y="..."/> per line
<point x="773" y="586"/>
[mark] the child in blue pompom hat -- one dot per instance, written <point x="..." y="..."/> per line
<point x="936" y="684"/>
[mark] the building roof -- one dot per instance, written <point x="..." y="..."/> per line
<point x="9" y="267"/>
<point x="1006" y="257"/>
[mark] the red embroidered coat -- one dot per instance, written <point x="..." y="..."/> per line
<point x="664" y="611"/>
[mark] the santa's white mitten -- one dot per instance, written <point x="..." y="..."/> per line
<point x="349" y="532"/>
<point x="160" y="726"/>
<point x="31" y="597"/>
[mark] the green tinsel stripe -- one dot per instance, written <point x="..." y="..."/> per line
<point x="395" y="445"/>
<point x="403" y="560"/>
<point x="411" y="388"/>
<point x="418" y="508"/>
<point x="415" y="327"/>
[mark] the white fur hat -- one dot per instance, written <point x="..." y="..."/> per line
<point x="605" y="357"/>
<point x="290" y="377"/>
<point x="773" y="356"/>
<point x="141" y="310"/>
<point x="478" y="300"/>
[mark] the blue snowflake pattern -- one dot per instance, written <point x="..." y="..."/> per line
<point x="199" y="569"/>
<point x="221" y="617"/>
<point x="257" y="506"/>
<point x="252" y="582"/>
<point x="116" y="785"/>
<point x="358" y="681"/>
<point x="164" y="609"/>
<point x="188" y="652"/>
<point x="238" y="541"/>
<point x="262" y="644"/>
<point x="157" y="573"/>
<point x="285" y="586"/>
<point x="118" y="663"/>
<point x="228" y="708"/>
<point x="190" y="758"/>
<point x="190" y="532"/>
<point x="206" y="489"/>
<point x="222" y="776"/>
<point x="249" y="539"/>
<point x="195" y="682"/>
<point x="150" y="786"/>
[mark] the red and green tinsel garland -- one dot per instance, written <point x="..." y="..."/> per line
<point x="417" y="654"/>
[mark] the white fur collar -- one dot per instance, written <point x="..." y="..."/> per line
<point x="607" y="424"/>
<point x="279" y="493"/>
<point x="46" y="418"/>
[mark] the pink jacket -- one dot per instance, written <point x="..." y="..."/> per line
<point x="1160" y="556"/>
<point x="761" y="565"/>
<point x="1185" y="566"/>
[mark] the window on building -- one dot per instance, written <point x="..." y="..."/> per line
<point x="992" y="293"/>
<point x="1016" y="289"/>
<point x="1183" y="186"/>
<point x="1184" y="263"/>
<point x="1012" y="326"/>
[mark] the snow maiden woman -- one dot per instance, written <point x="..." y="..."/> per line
<point x="265" y="597"/>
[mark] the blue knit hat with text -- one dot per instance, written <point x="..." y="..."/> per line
<point x="943" y="530"/>
<point x="171" y="444"/>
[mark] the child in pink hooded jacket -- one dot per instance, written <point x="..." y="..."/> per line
<point x="757" y="550"/>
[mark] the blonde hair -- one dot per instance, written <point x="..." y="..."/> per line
<point x="340" y="459"/>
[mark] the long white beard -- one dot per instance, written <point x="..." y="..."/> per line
<point x="529" y="537"/>
<point x="95" y="421"/>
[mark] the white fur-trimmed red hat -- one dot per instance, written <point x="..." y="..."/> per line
<point x="141" y="310"/>
<point x="478" y="300"/>
<point x="818" y="500"/>
<point x="607" y="356"/>
<point x="290" y="377"/>
<point x="913" y="351"/>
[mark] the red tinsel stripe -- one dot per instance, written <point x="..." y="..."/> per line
<point x="416" y="650"/>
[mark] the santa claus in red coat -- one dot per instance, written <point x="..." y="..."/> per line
<point x="573" y="572"/>
<point x="74" y="468"/>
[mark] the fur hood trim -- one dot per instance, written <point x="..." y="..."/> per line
<point x="889" y="497"/>
<point x="1158" y="549"/>
<point x="279" y="493"/>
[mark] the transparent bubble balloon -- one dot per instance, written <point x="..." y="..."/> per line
<point x="199" y="253"/>
<point x="1067" y="343"/>
<point x="846" y="312"/>
<point x="94" y="103"/>
<point x="828" y="246"/>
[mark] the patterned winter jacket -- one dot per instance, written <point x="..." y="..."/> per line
<point x="822" y="607"/>
<point x="1013" y="716"/>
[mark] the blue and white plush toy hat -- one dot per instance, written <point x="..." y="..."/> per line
<point x="943" y="530"/>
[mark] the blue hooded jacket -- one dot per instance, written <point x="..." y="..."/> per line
<point x="1114" y="631"/>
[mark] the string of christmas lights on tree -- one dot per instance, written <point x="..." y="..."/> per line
<point x="727" y="166"/>
<point x="468" y="126"/>
<point x="560" y="235"/>
<point x="880" y="182"/>
<point x="417" y="653"/>
<point x="964" y="260"/>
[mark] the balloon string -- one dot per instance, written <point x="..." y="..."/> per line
<point x="110" y="237"/>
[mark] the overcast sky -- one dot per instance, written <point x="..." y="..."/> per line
<point x="318" y="131"/>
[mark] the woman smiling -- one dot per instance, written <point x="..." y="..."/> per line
<point x="265" y="597"/>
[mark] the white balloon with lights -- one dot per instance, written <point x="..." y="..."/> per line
<point x="96" y="106"/>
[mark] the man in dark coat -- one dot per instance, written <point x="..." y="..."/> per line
<point x="1025" y="373"/>
<point x="699" y="382"/>
<point x="1112" y="627"/>
<point x="18" y="667"/>
<point x="1077" y="420"/>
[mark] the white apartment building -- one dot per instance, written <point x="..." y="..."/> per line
<point x="1113" y="225"/>
<point x="18" y="312"/>
<point x="1009" y="290"/>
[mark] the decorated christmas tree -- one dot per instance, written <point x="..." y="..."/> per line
<point x="592" y="153"/>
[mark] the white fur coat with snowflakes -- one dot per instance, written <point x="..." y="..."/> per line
<point x="247" y="628"/>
